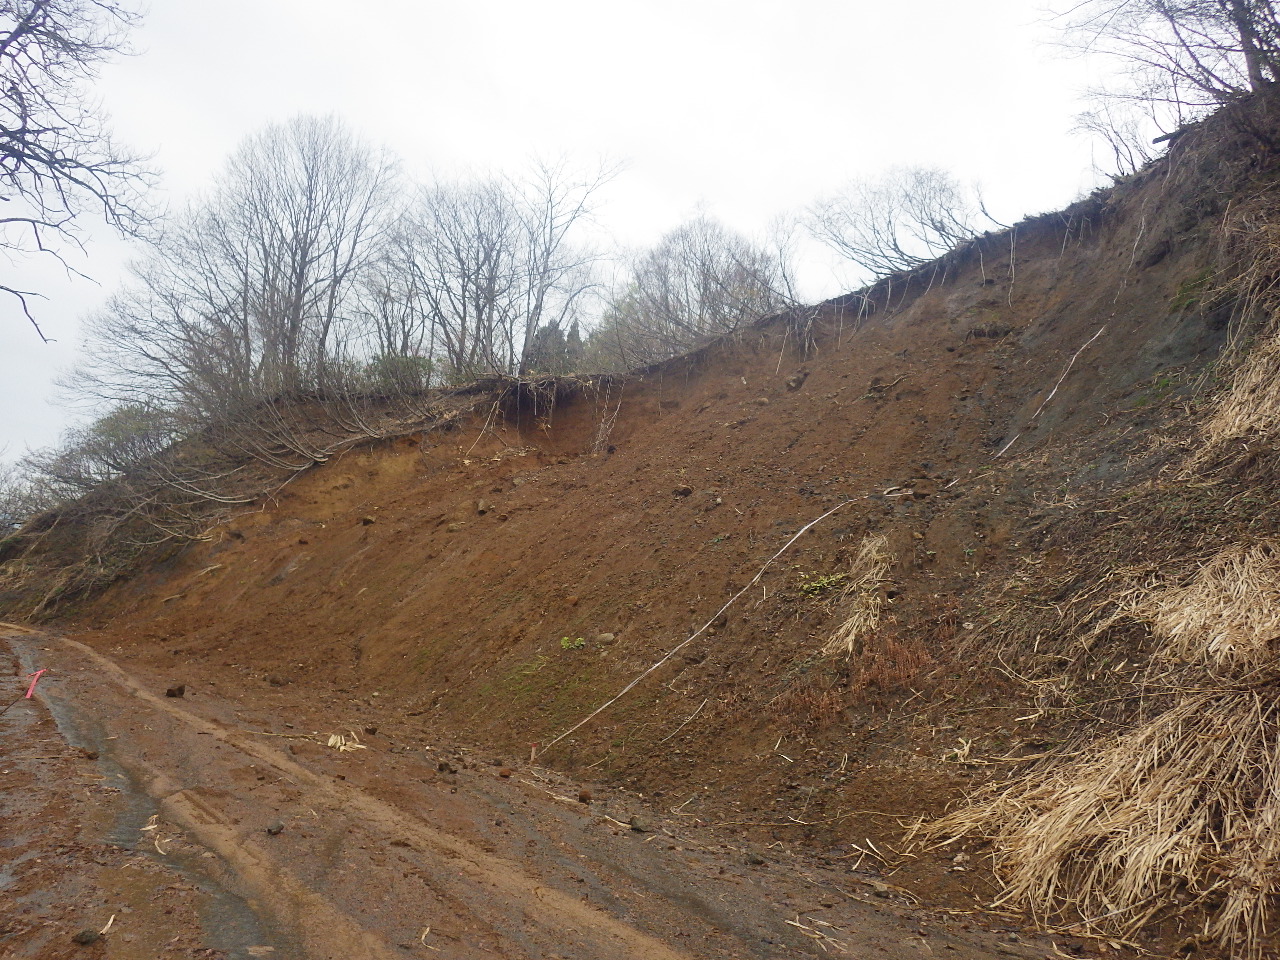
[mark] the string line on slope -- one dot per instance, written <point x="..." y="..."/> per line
<point x="697" y="633"/>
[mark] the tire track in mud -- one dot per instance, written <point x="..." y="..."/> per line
<point x="407" y="861"/>
<point x="79" y="846"/>
<point x="512" y="909"/>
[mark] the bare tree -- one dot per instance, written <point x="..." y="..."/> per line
<point x="899" y="221"/>
<point x="243" y="297"/>
<point x="1195" y="54"/>
<point x="58" y="162"/>
<point x="701" y="280"/>
<point x="461" y="251"/>
<point x="297" y="215"/>
<point x="490" y="263"/>
<point x="399" y="339"/>
<point x="21" y="497"/>
<point x="114" y="444"/>
<point x="552" y="202"/>
<point x="1126" y="134"/>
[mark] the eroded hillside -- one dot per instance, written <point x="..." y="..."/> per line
<point x="1005" y="430"/>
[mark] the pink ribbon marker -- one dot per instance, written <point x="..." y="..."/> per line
<point x="35" y="678"/>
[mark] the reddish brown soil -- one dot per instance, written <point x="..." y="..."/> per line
<point x="492" y="586"/>
<point x="402" y="844"/>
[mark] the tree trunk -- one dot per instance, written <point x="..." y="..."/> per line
<point x="1242" y="17"/>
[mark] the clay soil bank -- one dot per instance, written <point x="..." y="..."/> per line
<point x="451" y="603"/>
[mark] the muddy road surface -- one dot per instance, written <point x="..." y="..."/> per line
<point x="135" y="824"/>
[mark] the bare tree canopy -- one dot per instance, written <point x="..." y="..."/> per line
<point x="246" y="294"/>
<point x="484" y="266"/>
<point x="701" y="280"/>
<point x="1191" y="53"/>
<point x="899" y="221"/>
<point x="1125" y="129"/>
<point x="57" y="159"/>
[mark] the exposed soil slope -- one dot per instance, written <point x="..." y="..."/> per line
<point x="494" y="585"/>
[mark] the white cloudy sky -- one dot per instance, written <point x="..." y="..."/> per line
<point x="743" y="109"/>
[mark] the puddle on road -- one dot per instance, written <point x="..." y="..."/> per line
<point x="231" y="924"/>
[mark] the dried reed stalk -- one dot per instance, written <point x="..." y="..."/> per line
<point x="1249" y="410"/>
<point x="862" y="597"/>
<point x="1181" y="813"/>
<point x="1227" y="616"/>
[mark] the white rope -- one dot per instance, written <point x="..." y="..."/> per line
<point x="1071" y="364"/>
<point x="699" y="632"/>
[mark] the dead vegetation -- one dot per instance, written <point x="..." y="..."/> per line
<point x="1157" y="655"/>
<point x="1227" y="618"/>
<point x="113" y="512"/>
<point x="1179" y="815"/>
<point x="862" y="596"/>
<point x="1245" y="423"/>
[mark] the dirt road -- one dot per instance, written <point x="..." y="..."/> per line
<point x="196" y="826"/>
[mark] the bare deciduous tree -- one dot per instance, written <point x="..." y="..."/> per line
<point x="701" y="280"/>
<point x="58" y="162"/>
<point x="899" y="221"/>
<point x="1127" y="136"/>
<point x="242" y="297"/>
<point x="461" y="252"/>
<point x="109" y="447"/>
<point x="297" y="215"/>
<point x="400" y="341"/>
<point x="553" y="202"/>
<point x="21" y="497"/>
<point x="488" y="264"/>
<point x="1192" y="53"/>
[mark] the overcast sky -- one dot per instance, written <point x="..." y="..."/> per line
<point x="744" y="110"/>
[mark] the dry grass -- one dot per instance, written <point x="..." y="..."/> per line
<point x="862" y="598"/>
<point x="890" y="661"/>
<point x="1226" y="617"/>
<point x="1248" y="411"/>
<point x="1182" y="812"/>
<point x="810" y="702"/>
